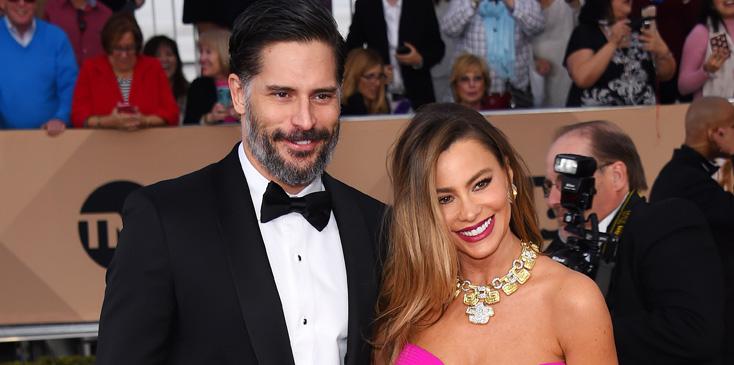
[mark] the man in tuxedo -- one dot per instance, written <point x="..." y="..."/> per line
<point x="709" y="135"/>
<point x="260" y="258"/>
<point x="389" y="25"/>
<point x="666" y="288"/>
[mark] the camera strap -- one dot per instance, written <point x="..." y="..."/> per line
<point x="623" y="215"/>
<point x="609" y="251"/>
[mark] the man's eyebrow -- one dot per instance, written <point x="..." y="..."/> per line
<point x="279" y="88"/>
<point x="330" y="90"/>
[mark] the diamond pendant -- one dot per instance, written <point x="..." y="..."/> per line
<point x="479" y="313"/>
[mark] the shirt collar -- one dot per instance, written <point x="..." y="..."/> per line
<point x="604" y="223"/>
<point x="258" y="183"/>
<point x="26" y="38"/>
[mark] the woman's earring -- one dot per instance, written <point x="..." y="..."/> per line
<point x="511" y="198"/>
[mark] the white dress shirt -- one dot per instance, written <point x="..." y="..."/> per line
<point x="310" y="275"/>
<point x="604" y="223"/>
<point x="23" y="39"/>
<point x="392" y="19"/>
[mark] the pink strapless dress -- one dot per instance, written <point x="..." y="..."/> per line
<point x="416" y="355"/>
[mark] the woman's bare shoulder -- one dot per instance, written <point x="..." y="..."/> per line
<point x="570" y="289"/>
<point x="579" y="313"/>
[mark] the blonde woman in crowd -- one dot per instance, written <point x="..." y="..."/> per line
<point x="470" y="85"/>
<point x="363" y="91"/>
<point x="208" y="100"/>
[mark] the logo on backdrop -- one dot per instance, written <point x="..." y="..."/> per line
<point x="100" y="220"/>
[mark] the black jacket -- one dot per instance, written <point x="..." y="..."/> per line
<point x="688" y="176"/>
<point x="418" y="26"/>
<point x="200" y="99"/>
<point x="665" y="292"/>
<point x="190" y="282"/>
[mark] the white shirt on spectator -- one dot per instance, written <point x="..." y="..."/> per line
<point x="23" y="39"/>
<point x="310" y="275"/>
<point x="392" y="20"/>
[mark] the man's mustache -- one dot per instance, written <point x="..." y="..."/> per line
<point x="300" y="135"/>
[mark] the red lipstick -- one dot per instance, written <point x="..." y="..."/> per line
<point x="480" y="236"/>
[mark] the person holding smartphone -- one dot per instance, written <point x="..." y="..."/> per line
<point x="706" y="67"/>
<point x="123" y="89"/>
<point x="613" y="61"/>
<point x="406" y="35"/>
<point x="209" y="101"/>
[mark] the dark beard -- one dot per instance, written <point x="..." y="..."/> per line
<point x="264" y="151"/>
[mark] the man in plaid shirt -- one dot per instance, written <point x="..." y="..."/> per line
<point x="463" y="22"/>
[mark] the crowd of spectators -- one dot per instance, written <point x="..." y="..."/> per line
<point x="493" y="54"/>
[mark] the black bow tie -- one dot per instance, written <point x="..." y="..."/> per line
<point x="315" y="207"/>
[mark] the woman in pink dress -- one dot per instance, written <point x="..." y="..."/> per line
<point x="464" y="282"/>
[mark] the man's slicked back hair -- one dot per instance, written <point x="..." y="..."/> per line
<point x="266" y="22"/>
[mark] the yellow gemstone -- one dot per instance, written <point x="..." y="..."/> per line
<point x="509" y="288"/>
<point x="528" y="263"/>
<point x="471" y="299"/>
<point x="493" y="297"/>
<point x="522" y="275"/>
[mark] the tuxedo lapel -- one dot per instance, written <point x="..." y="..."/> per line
<point x="359" y="260"/>
<point x="249" y="265"/>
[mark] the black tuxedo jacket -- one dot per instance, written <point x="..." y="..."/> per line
<point x="688" y="176"/>
<point x="418" y="26"/>
<point x="190" y="282"/>
<point x="665" y="296"/>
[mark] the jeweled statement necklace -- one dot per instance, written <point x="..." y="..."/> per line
<point x="479" y="298"/>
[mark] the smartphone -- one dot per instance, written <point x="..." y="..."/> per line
<point x="403" y="50"/>
<point x="719" y="42"/>
<point x="224" y="97"/>
<point x="126" y="108"/>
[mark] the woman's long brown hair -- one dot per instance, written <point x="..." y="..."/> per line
<point x="422" y="265"/>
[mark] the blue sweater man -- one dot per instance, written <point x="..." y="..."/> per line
<point x="37" y="75"/>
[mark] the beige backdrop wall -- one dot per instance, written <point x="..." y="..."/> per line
<point x="46" y="275"/>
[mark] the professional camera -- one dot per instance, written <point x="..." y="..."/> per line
<point x="585" y="249"/>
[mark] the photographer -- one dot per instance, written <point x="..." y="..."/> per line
<point x="666" y="287"/>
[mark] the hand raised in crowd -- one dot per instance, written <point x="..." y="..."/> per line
<point x="54" y="127"/>
<point x="413" y="58"/>
<point x="653" y="42"/>
<point x="716" y="59"/>
<point x="619" y="33"/>
<point x="218" y="113"/>
<point x="542" y="66"/>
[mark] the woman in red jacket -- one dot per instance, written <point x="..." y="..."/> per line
<point x="123" y="89"/>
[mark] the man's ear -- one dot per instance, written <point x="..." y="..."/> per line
<point x="620" y="177"/>
<point x="237" y="91"/>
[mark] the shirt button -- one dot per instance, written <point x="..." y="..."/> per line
<point x="305" y="321"/>
<point x="299" y="258"/>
